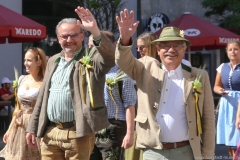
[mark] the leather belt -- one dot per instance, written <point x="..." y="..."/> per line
<point x="114" y="121"/>
<point x="64" y="125"/>
<point x="175" y="145"/>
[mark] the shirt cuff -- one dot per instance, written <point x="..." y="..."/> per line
<point x="97" y="41"/>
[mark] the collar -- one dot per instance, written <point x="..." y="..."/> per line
<point x="177" y="71"/>
<point x="186" y="68"/>
<point x="234" y="65"/>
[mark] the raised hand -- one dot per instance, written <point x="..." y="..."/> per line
<point x="88" y="21"/>
<point x="126" y="25"/>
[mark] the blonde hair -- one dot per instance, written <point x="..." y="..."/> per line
<point x="147" y="38"/>
<point x="39" y="55"/>
<point x="236" y="42"/>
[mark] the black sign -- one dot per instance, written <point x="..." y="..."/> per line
<point x="157" y="21"/>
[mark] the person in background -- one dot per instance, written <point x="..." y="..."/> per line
<point x="167" y="129"/>
<point x="227" y="84"/>
<point x="6" y="95"/>
<point x="120" y="100"/>
<point x="27" y="93"/>
<point x="145" y="47"/>
<point x="70" y="107"/>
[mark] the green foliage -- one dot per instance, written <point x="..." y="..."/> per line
<point x="226" y="12"/>
<point x="94" y="4"/>
<point x="87" y="60"/>
<point x="105" y="12"/>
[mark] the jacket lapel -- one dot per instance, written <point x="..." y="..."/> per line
<point x="161" y="73"/>
<point x="188" y="78"/>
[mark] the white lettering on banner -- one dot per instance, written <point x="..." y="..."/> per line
<point x="29" y="32"/>
<point x="192" y="32"/>
<point x="226" y="40"/>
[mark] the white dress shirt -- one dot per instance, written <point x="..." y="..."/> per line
<point x="171" y="115"/>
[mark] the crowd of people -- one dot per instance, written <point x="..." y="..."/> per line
<point x="99" y="102"/>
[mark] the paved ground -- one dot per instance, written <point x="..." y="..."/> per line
<point x="220" y="151"/>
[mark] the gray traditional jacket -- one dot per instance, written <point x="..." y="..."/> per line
<point x="87" y="120"/>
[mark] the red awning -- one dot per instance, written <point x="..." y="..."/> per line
<point x="18" y="28"/>
<point x="202" y="33"/>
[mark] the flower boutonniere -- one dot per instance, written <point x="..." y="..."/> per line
<point x="113" y="82"/>
<point x="87" y="63"/>
<point x="197" y="89"/>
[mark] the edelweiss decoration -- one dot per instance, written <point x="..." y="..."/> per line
<point x="182" y="33"/>
<point x="197" y="89"/>
<point x="87" y="62"/>
<point x="15" y="87"/>
<point x="113" y="82"/>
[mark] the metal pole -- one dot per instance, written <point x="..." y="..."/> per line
<point x="189" y="54"/>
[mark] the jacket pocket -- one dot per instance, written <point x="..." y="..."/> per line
<point x="141" y="118"/>
<point x="142" y="129"/>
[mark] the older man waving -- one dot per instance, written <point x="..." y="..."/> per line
<point x="175" y="117"/>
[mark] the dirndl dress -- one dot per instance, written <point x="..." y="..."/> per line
<point x="227" y="134"/>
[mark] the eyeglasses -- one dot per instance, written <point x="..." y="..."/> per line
<point x="167" y="46"/>
<point x="72" y="36"/>
<point x="140" y="48"/>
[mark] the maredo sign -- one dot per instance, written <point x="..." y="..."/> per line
<point x="223" y="40"/>
<point x="27" y="32"/>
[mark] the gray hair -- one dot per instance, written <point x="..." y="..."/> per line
<point x="66" y="20"/>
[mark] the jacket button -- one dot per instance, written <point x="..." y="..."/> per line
<point x="191" y="138"/>
<point x="190" y="121"/>
<point x="159" y="90"/>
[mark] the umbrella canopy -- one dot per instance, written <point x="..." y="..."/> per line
<point x="17" y="28"/>
<point x="202" y="33"/>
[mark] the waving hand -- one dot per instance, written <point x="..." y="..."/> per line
<point x="127" y="26"/>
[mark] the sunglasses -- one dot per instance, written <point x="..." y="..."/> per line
<point x="140" y="48"/>
<point x="72" y="36"/>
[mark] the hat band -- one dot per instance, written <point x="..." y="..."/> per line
<point x="171" y="36"/>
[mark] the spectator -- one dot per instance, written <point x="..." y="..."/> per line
<point x="227" y="84"/>
<point x="27" y="93"/>
<point x="6" y="95"/>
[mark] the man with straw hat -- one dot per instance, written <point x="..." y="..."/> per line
<point x="175" y="116"/>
